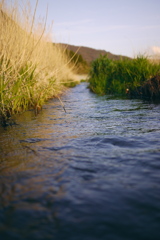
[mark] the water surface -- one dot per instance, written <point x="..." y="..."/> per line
<point x="88" y="174"/>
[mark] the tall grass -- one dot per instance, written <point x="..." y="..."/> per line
<point x="82" y="67"/>
<point x="115" y="76"/>
<point x="32" y="69"/>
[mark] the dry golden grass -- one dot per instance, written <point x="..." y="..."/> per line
<point x="32" y="69"/>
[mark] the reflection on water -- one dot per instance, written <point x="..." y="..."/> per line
<point x="90" y="173"/>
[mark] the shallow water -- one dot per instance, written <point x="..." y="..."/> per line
<point x="88" y="174"/>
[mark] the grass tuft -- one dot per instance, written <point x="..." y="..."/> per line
<point x="116" y="76"/>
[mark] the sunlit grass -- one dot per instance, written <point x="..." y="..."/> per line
<point x="32" y="69"/>
<point x="115" y="76"/>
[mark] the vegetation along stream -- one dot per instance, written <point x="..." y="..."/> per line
<point x="88" y="174"/>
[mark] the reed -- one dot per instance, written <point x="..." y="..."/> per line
<point x="115" y="76"/>
<point x="32" y="68"/>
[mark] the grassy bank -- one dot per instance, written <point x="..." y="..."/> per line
<point x="119" y="76"/>
<point x="81" y="66"/>
<point x="32" y="69"/>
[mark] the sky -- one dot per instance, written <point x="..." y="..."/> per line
<point x="123" y="27"/>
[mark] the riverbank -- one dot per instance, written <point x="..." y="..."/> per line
<point x="32" y="68"/>
<point x="137" y="77"/>
<point x="150" y="90"/>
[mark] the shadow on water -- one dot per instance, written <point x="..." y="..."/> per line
<point x="90" y="173"/>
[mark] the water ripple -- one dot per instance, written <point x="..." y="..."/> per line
<point x="90" y="173"/>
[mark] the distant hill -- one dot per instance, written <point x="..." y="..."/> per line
<point x="90" y="54"/>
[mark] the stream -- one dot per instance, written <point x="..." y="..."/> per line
<point x="90" y="173"/>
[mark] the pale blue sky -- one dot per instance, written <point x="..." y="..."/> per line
<point x="124" y="27"/>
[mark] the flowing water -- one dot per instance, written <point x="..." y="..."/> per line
<point x="91" y="173"/>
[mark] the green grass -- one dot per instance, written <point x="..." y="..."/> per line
<point x="115" y="76"/>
